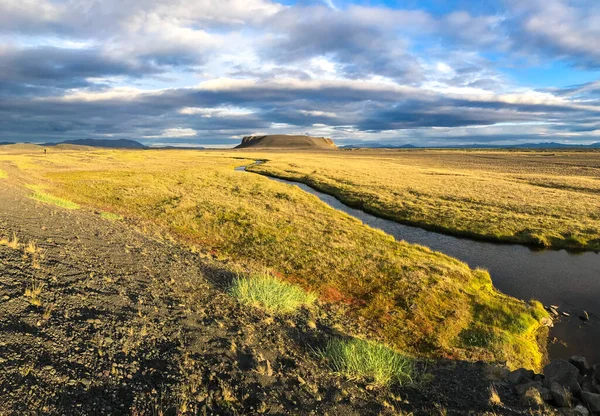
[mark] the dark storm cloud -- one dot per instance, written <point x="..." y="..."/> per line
<point x="51" y="67"/>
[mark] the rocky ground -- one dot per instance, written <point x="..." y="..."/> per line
<point x="98" y="318"/>
<point x="573" y="385"/>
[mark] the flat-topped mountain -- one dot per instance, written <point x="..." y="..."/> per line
<point x="283" y="141"/>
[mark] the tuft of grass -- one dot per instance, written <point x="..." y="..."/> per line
<point x="268" y="292"/>
<point x="495" y="399"/>
<point x="33" y="292"/>
<point x="357" y="358"/>
<point x="31" y="248"/>
<point x="12" y="243"/>
<point x="46" y="198"/>
<point x="110" y="216"/>
<point x="3" y="175"/>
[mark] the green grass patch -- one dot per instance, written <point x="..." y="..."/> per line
<point x="357" y="358"/>
<point x="110" y="216"/>
<point x="46" y="198"/>
<point x="270" y="293"/>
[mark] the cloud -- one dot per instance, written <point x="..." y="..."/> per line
<point x="225" y="108"/>
<point x="558" y="29"/>
<point x="215" y="70"/>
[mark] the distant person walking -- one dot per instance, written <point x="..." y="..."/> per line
<point x="45" y="151"/>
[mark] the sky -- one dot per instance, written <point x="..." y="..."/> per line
<point x="208" y="72"/>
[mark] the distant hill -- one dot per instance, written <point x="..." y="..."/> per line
<point x="117" y="143"/>
<point x="282" y="141"/>
<point x="5" y="143"/>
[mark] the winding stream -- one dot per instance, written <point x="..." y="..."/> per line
<point x="554" y="277"/>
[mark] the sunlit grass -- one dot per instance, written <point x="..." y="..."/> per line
<point x="111" y="216"/>
<point x="357" y="358"/>
<point x="11" y="243"/>
<point x="268" y="292"/>
<point x="416" y="300"/>
<point x="47" y="198"/>
<point x="3" y="175"/>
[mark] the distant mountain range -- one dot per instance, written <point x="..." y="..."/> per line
<point x="132" y="144"/>
<point x="118" y="143"/>
<point x="109" y="143"/>
<point x="547" y="145"/>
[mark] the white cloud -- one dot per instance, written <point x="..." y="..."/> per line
<point x="177" y="132"/>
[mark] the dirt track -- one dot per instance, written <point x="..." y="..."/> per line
<point x="132" y="325"/>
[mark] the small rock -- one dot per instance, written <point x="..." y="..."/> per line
<point x="584" y="316"/>
<point x="564" y="373"/>
<point x="545" y="394"/>
<point x="589" y="383"/>
<point x="519" y="376"/>
<point x="592" y="400"/>
<point x="581" y="410"/>
<point x="560" y="395"/>
<point x="580" y="362"/>
<point x="546" y="321"/>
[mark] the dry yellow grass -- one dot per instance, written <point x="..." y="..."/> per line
<point x="539" y="198"/>
<point x="416" y="300"/>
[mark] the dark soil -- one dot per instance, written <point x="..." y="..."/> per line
<point x="130" y="324"/>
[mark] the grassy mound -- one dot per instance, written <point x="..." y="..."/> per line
<point x="364" y="359"/>
<point x="270" y="293"/>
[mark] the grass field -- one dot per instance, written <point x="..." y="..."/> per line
<point x="539" y="198"/>
<point x="420" y="302"/>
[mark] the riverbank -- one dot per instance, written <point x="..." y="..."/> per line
<point x="541" y="199"/>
